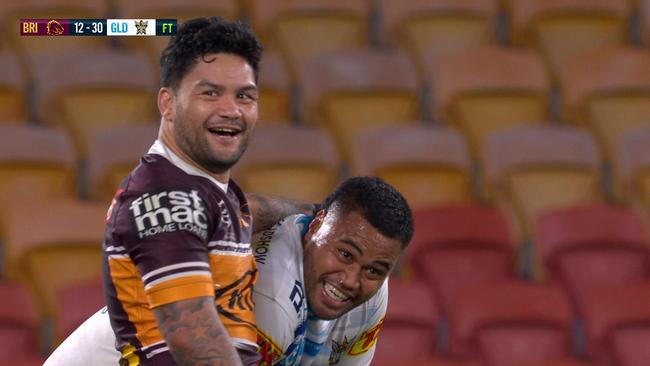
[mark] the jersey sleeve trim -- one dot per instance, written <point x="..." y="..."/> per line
<point x="178" y="289"/>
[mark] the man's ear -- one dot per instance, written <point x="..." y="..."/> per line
<point x="166" y="104"/>
<point x="316" y="223"/>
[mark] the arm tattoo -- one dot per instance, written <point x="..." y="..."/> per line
<point x="268" y="210"/>
<point x="194" y="333"/>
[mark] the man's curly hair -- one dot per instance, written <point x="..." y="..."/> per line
<point x="378" y="202"/>
<point x="201" y="36"/>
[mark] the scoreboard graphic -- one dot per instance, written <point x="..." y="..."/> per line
<point x="98" y="27"/>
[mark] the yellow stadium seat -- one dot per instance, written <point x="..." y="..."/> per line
<point x="350" y="91"/>
<point x="535" y="169"/>
<point x="433" y="27"/>
<point x="633" y="167"/>
<point x="13" y="86"/>
<point x="429" y="166"/>
<point x="301" y="29"/>
<point x="104" y="89"/>
<point x="611" y="96"/>
<point x="53" y="244"/>
<point x="275" y="101"/>
<point x="36" y="164"/>
<point x="113" y="153"/>
<point x="486" y="89"/>
<point x="296" y="162"/>
<point x="560" y="29"/>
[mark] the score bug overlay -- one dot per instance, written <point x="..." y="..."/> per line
<point x="98" y="27"/>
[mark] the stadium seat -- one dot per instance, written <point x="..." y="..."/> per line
<point x="104" y="89"/>
<point x="560" y="29"/>
<point x="511" y="323"/>
<point x="533" y="169"/>
<point x="126" y="145"/>
<point x="76" y="302"/>
<point x="352" y="90"/>
<point x="408" y="332"/>
<point x="54" y="244"/>
<point x="562" y="362"/>
<point x="275" y="99"/>
<point x="433" y="27"/>
<point x="36" y="164"/>
<point x="434" y="169"/>
<point x="19" y="326"/>
<point x="611" y="96"/>
<point x="301" y="29"/>
<point x="169" y="9"/>
<point x="35" y="51"/>
<point x="632" y="167"/>
<point x="291" y="161"/>
<point x="486" y="89"/>
<point x="617" y="325"/>
<point x="13" y="89"/>
<point x="459" y="246"/>
<point x="590" y="247"/>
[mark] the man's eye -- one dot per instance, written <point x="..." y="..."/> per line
<point x="345" y="254"/>
<point x="210" y="93"/>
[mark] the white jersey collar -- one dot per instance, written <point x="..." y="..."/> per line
<point x="159" y="148"/>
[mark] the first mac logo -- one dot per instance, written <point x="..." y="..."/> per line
<point x="169" y="211"/>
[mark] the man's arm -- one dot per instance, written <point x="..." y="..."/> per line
<point x="267" y="210"/>
<point x="194" y="333"/>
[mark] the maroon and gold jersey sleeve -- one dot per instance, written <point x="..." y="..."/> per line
<point x="166" y="232"/>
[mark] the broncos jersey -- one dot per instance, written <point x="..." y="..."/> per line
<point x="287" y="334"/>
<point x="174" y="233"/>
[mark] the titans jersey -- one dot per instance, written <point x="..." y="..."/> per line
<point x="174" y="233"/>
<point x="287" y="334"/>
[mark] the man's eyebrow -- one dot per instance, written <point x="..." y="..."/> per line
<point x="384" y="264"/>
<point x="209" y="84"/>
<point x="353" y="245"/>
<point x="378" y="262"/>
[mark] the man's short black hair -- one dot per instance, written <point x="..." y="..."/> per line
<point x="201" y="36"/>
<point x="378" y="202"/>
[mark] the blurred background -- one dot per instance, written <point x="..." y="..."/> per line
<point x="518" y="130"/>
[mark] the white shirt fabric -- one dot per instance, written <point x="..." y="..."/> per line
<point x="288" y="334"/>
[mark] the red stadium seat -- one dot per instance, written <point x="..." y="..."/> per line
<point x="19" y="326"/>
<point x="592" y="247"/>
<point x="459" y="246"/>
<point x="534" y="169"/>
<point x="511" y="323"/>
<point x="617" y="324"/>
<point x="408" y="333"/>
<point x="76" y="302"/>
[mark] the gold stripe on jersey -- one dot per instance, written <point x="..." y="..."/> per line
<point x="179" y="289"/>
<point x="130" y="293"/>
<point x="228" y="270"/>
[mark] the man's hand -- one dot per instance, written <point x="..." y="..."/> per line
<point x="194" y="333"/>
<point x="267" y="210"/>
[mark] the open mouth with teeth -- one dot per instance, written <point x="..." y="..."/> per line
<point x="224" y="131"/>
<point x="334" y="294"/>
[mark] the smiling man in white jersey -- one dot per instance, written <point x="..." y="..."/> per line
<point x="322" y="288"/>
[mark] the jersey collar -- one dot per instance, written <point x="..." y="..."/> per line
<point x="159" y="148"/>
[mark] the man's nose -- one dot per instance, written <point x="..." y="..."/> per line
<point x="228" y="108"/>
<point x="350" y="279"/>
